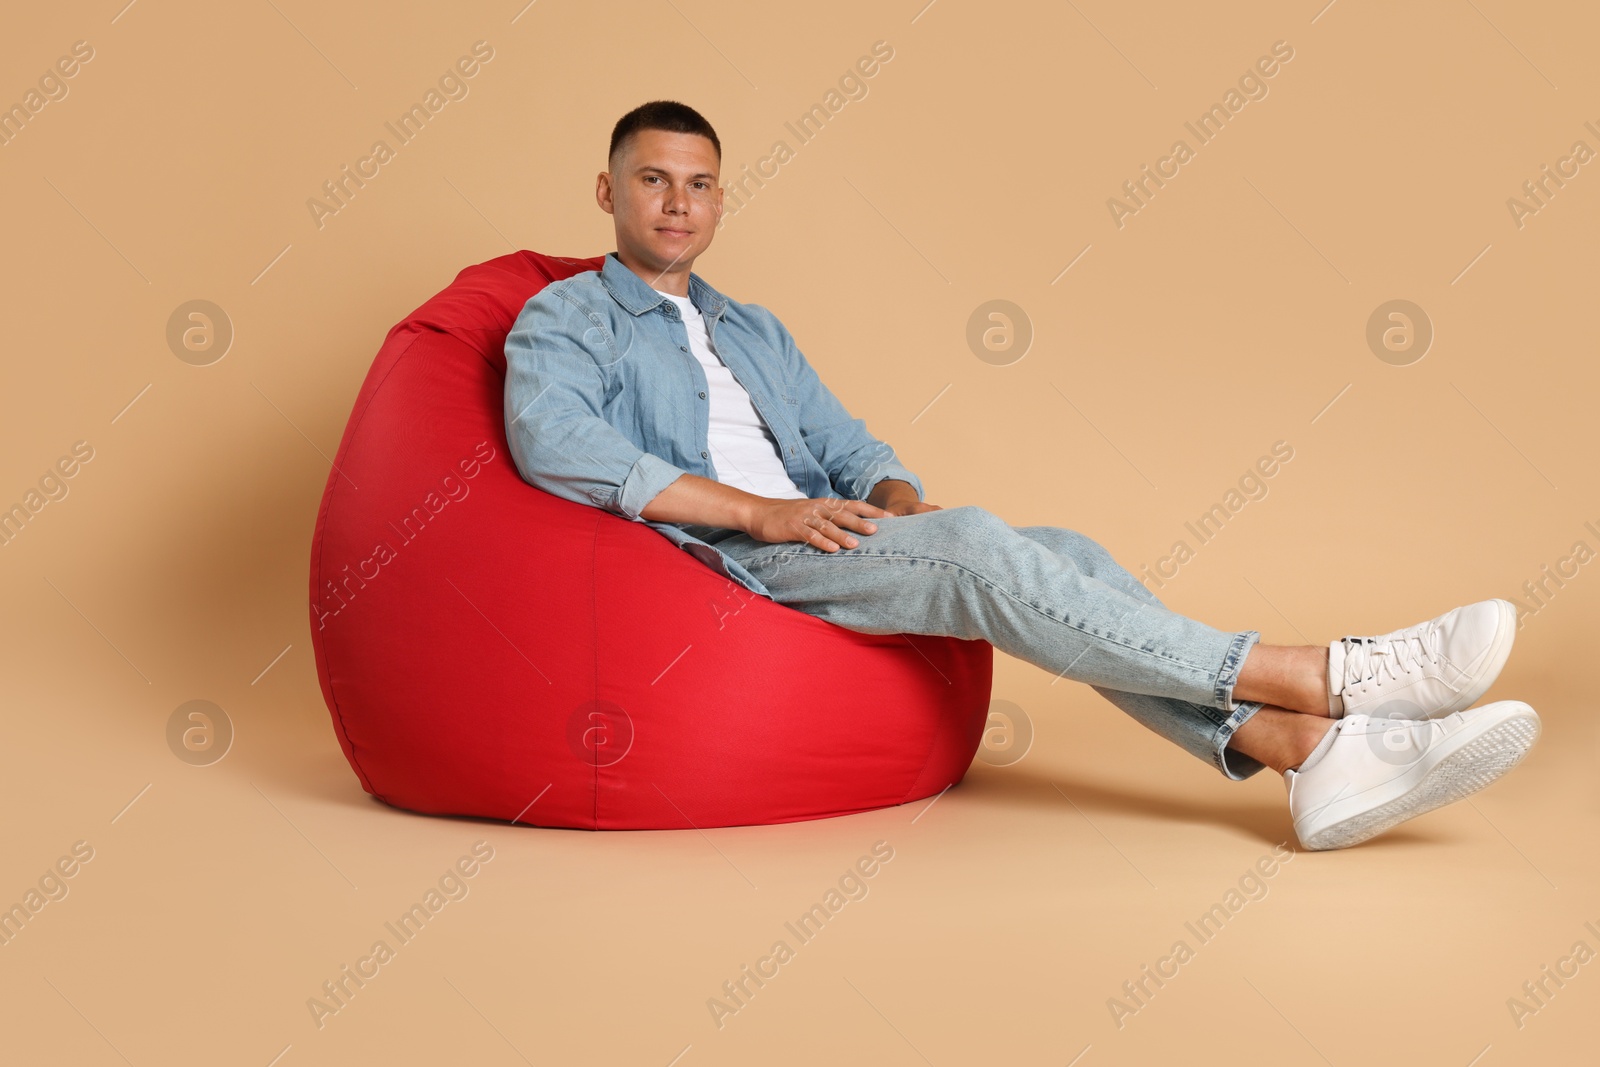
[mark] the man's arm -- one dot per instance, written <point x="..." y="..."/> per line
<point x="856" y="462"/>
<point x="701" y="500"/>
<point x="559" y="439"/>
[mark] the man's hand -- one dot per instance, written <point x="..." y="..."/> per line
<point x="896" y="497"/>
<point x="822" y="523"/>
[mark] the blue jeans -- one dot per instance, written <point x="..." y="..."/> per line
<point x="1047" y="595"/>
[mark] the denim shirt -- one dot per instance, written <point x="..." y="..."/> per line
<point x="606" y="405"/>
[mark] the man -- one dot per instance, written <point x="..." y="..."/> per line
<point x="640" y="389"/>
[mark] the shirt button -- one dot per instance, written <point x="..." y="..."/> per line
<point x="702" y="396"/>
<point x="704" y="455"/>
<point x="683" y="348"/>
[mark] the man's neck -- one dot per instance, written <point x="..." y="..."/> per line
<point x="675" y="280"/>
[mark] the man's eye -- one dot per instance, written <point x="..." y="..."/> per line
<point x="705" y="186"/>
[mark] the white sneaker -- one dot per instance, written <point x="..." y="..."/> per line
<point x="1431" y="669"/>
<point x="1369" y="774"/>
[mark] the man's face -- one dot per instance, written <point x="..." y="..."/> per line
<point x="664" y="195"/>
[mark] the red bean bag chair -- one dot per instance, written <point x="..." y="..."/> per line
<point x="488" y="649"/>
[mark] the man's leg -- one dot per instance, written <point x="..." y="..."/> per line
<point x="1286" y="685"/>
<point x="964" y="572"/>
<point x="1352" y="778"/>
<point x="1052" y="597"/>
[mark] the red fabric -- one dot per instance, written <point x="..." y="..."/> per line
<point x="489" y="649"/>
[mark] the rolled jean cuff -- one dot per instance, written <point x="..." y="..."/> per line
<point x="1231" y="762"/>
<point x="1235" y="765"/>
<point x="1232" y="663"/>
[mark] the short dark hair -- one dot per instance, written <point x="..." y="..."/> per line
<point x="668" y="115"/>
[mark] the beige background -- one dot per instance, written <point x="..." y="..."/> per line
<point x="1229" y="313"/>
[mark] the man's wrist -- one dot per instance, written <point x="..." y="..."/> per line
<point x="745" y="510"/>
<point x="889" y="490"/>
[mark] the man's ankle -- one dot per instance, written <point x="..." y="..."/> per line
<point x="1310" y="735"/>
<point x="1315" y="697"/>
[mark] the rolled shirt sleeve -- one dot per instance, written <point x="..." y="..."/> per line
<point x="554" y="398"/>
<point x="853" y="458"/>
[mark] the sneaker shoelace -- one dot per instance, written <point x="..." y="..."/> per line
<point x="1373" y="659"/>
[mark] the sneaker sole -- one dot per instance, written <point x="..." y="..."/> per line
<point x="1474" y="765"/>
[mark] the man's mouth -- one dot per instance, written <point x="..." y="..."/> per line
<point x="672" y="232"/>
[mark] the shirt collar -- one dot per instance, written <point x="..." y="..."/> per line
<point x="633" y="293"/>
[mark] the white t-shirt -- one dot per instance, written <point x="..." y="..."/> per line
<point x="743" y="450"/>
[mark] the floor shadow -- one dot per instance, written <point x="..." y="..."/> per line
<point x="1264" y="818"/>
<point x="1267" y="821"/>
